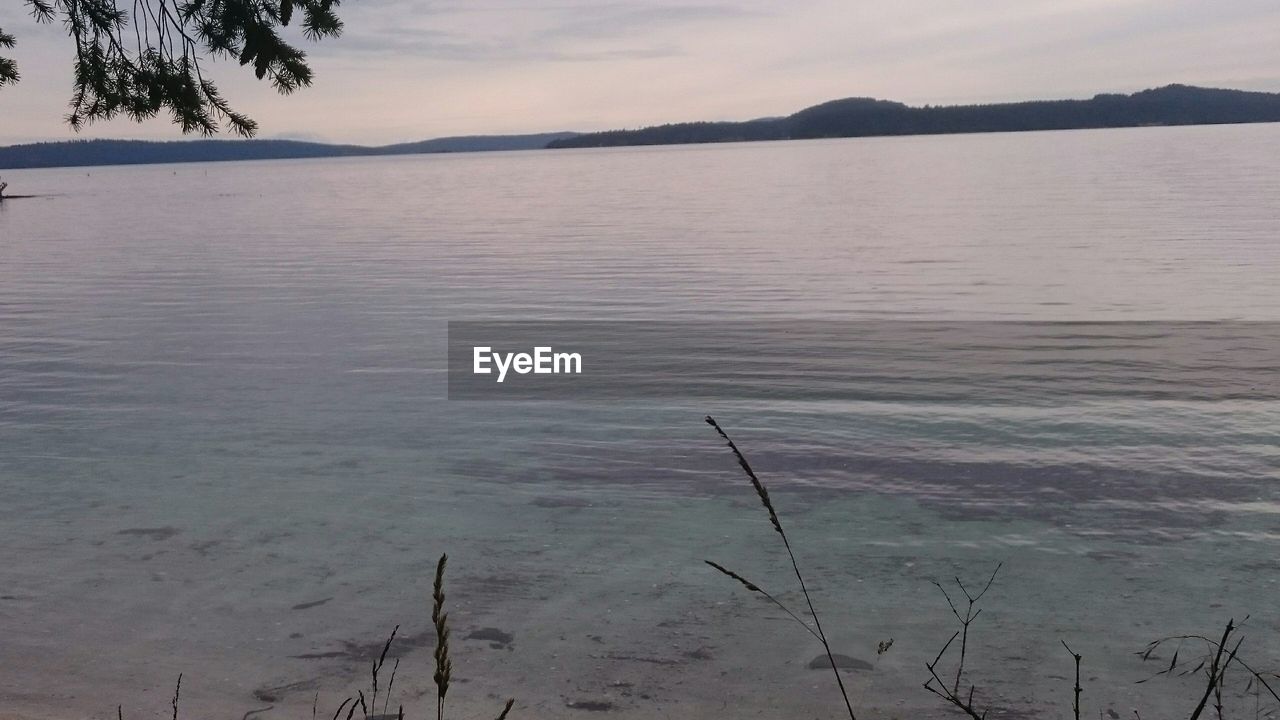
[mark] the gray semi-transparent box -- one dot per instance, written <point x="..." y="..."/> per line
<point x="1004" y="363"/>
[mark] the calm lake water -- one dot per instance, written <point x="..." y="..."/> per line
<point x="226" y="448"/>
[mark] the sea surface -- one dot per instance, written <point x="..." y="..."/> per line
<point x="227" y="448"/>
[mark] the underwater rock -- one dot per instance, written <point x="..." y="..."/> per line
<point x="844" y="662"/>
<point x="159" y="533"/>
<point x="309" y="605"/>
<point x="701" y="653"/>
<point x="590" y="705"/>
<point x="496" y="637"/>
<point x="563" y="501"/>
<point x="274" y="693"/>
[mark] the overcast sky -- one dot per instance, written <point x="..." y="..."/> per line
<point x="413" y="69"/>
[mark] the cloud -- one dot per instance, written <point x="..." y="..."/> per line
<point x="619" y="20"/>
<point x="455" y="47"/>
<point x="511" y="32"/>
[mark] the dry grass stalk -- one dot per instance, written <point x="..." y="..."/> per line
<point x="341" y="707"/>
<point x="177" y="690"/>
<point x="1215" y="661"/>
<point x="756" y="589"/>
<point x="377" y="667"/>
<point x="440" y="618"/>
<point x="765" y="500"/>
<point x="386" y="703"/>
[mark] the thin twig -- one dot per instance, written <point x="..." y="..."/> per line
<point x="1075" y="703"/>
<point x="935" y="684"/>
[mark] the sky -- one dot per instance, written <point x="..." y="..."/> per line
<point x="413" y="69"/>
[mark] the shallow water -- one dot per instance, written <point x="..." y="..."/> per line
<point x="227" y="449"/>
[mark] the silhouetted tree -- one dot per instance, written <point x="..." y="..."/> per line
<point x="147" y="58"/>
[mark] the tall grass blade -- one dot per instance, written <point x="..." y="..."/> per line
<point x="765" y="500"/>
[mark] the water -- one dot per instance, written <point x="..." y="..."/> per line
<point x="227" y="449"/>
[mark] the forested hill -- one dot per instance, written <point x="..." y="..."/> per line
<point x="135" y="152"/>
<point x="861" y="117"/>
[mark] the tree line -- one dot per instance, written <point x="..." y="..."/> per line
<point x="862" y="117"/>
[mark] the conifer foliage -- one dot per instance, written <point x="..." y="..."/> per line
<point x="137" y="58"/>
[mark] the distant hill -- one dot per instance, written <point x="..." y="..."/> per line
<point x="137" y="152"/>
<point x="851" y="117"/>
<point x="475" y="143"/>
<point x="861" y="117"/>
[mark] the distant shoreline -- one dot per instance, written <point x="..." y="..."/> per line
<point x="597" y="147"/>
<point x="1169" y="106"/>
<point x="98" y="153"/>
